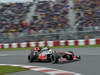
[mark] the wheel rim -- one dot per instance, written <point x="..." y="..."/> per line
<point x="52" y="58"/>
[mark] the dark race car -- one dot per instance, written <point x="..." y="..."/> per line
<point x="52" y="56"/>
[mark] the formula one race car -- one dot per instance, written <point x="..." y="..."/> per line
<point x="52" y="56"/>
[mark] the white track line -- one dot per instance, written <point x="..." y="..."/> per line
<point x="49" y="71"/>
<point x="4" y="55"/>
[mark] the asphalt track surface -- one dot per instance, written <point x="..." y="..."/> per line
<point x="89" y="64"/>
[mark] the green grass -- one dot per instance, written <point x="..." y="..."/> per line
<point x="10" y="69"/>
<point x="86" y="46"/>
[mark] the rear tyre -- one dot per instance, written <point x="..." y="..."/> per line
<point x="69" y="57"/>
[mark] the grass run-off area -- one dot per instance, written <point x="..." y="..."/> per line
<point x="86" y="46"/>
<point x="10" y="69"/>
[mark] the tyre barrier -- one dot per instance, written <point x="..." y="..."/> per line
<point x="52" y="43"/>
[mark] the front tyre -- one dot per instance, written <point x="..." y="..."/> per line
<point x="30" y="58"/>
<point x="54" y="59"/>
<point x="79" y="57"/>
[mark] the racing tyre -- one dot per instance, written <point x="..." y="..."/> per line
<point x="69" y="57"/>
<point x="54" y="59"/>
<point x="79" y="57"/>
<point x="31" y="58"/>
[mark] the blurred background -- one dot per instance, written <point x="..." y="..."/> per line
<point x="42" y="20"/>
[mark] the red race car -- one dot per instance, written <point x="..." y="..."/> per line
<point x="52" y="56"/>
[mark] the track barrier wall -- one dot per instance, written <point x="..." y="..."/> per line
<point x="52" y="43"/>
